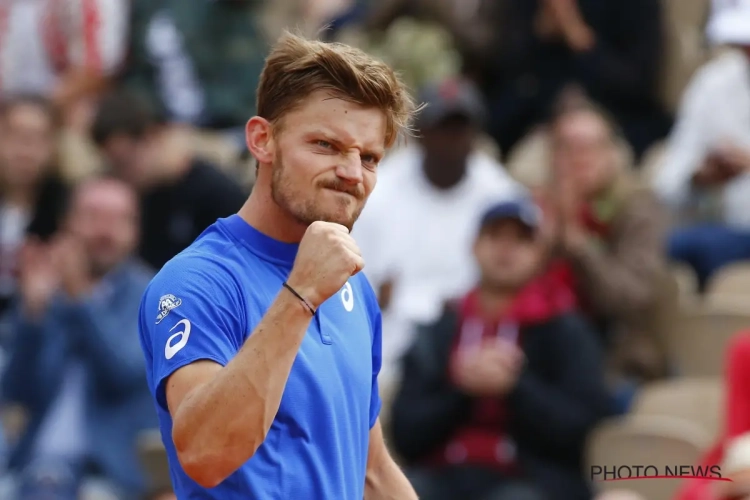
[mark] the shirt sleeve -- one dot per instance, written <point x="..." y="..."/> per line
<point x="191" y="311"/>
<point x="687" y="145"/>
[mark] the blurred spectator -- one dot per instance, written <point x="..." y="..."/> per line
<point x="197" y="63"/>
<point x="472" y="24"/>
<point x="611" y="230"/>
<point x="736" y="425"/>
<point x="611" y="49"/>
<point x="181" y="195"/>
<point x="500" y="393"/>
<point x="62" y="49"/>
<point x="416" y="231"/>
<point x="76" y="364"/>
<point x="31" y="195"/>
<point x="708" y="155"/>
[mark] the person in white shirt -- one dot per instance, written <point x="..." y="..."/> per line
<point x="416" y="230"/>
<point x="62" y="49"/>
<point x="708" y="153"/>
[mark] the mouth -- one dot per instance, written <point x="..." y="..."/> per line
<point x="339" y="191"/>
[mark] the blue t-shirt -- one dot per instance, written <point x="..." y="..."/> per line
<point x="207" y="301"/>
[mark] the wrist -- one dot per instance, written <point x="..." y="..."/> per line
<point x="296" y="300"/>
<point x="307" y="294"/>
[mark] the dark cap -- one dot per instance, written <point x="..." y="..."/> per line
<point x="523" y="210"/>
<point x="451" y="97"/>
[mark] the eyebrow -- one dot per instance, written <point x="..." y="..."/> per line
<point x="329" y="136"/>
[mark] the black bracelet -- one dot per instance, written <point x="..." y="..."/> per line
<point x="300" y="297"/>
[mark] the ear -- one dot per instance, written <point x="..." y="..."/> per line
<point x="259" y="139"/>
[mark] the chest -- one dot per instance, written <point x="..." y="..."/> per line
<point x="333" y="370"/>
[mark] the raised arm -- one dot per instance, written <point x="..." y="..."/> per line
<point x="221" y="415"/>
<point x="222" y="391"/>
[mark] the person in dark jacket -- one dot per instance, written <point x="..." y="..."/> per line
<point x="499" y="394"/>
<point x="32" y="196"/>
<point x="181" y="195"/>
<point x="75" y="363"/>
<point x="611" y="50"/>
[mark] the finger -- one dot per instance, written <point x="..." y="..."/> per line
<point x="349" y="243"/>
<point x="338" y="228"/>
<point x="358" y="263"/>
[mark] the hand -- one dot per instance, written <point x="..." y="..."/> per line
<point x="578" y="35"/>
<point x="39" y="277"/>
<point x="733" y="158"/>
<point x="491" y="370"/>
<point x="327" y="257"/>
<point x="571" y="232"/>
<point x="74" y="267"/>
<point x="713" y="172"/>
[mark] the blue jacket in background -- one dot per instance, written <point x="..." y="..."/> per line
<point x="103" y="330"/>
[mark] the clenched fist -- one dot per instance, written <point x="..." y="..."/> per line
<point x="327" y="257"/>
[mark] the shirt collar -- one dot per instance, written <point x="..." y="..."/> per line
<point x="260" y="244"/>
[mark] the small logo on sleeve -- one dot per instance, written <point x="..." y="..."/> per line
<point x="166" y="304"/>
<point x="347" y="297"/>
<point x="171" y="349"/>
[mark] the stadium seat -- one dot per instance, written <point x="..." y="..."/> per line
<point x="645" y="440"/>
<point x="731" y="280"/>
<point x="687" y="281"/>
<point x="699" y="400"/>
<point x="699" y="335"/>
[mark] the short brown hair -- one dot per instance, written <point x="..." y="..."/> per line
<point x="563" y="109"/>
<point x="296" y="67"/>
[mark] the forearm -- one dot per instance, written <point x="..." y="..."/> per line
<point x="385" y="481"/>
<point x="220" y="424"/>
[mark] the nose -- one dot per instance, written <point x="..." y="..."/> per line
<point x="349" y="169"/>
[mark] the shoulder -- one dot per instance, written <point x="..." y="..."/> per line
<point x="719" y="73"/>
<point x="206" y="177"/>
<point x="490" y="174"/>
<point x="196" y="279"/>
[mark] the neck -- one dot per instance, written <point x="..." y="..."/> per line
<point x="264" y="214"/>
<point x="494" y="301"/>
<point x="442" y="176"/>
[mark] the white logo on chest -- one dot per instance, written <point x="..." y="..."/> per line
<point x="347" y="297"/>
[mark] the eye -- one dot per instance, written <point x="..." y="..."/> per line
<point x="324" y="144"/>
<point x="370" y="160"/>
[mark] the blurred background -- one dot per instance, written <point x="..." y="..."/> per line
<point x="574" y="208"/>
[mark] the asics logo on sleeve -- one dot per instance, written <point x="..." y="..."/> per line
<point x="171" y="349"/>
<point x="347" y="297"/>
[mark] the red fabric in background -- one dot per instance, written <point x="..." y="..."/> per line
<point x="737" y="415"/>
<point x="481" y="440"/>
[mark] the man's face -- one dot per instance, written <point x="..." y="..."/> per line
<point x="131" y="158"/>
<point x="104" y="218"/>
<point x="27" y="144"/>
<point x="450" y="141"/>
<point x="507" y="254"/>
<point x="326" y="155"/>
<point x="584" y="151"/>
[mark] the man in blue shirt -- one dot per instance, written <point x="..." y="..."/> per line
<point x="262" y="341"/>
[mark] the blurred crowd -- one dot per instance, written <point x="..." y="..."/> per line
<point x="523" y="242"/>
